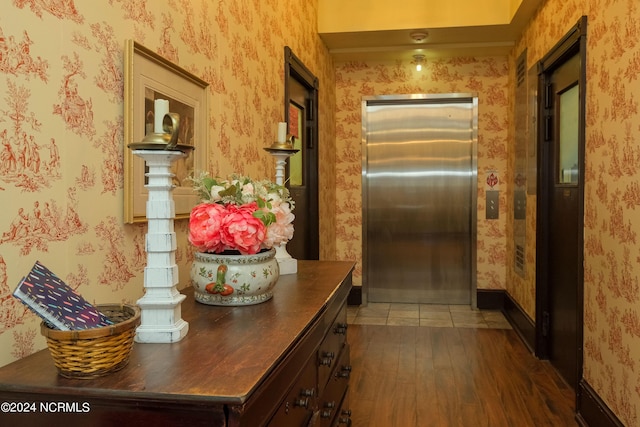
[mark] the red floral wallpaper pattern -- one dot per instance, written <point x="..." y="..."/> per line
<point x="62" y="127"/>
<point x="486" y="77"/>
<point x="61" y="147"/>
<point x="612" y="196"/>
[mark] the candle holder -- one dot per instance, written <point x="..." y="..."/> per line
<point x="282" y="151"/>
<point x="286" y="145"/>
<point x="167" y="140"/>
<point x="160" y="306"/>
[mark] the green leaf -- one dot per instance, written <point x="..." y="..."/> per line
<point x="231" y="191"/>
<point x="267" y="218"/>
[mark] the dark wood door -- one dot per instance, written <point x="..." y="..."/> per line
<point x="565" y="224"/>
<point x="302" y="171"/>
<point x="299" y="181"/>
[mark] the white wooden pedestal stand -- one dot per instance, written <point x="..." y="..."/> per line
<point x="287" y="264"/>
<point x="161" y="315"/>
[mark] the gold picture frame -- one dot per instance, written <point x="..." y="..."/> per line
<point x="147" y="77"/>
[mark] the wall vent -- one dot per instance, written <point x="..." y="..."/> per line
<point x="519" y="262"/>
<point x="521" y="68"/>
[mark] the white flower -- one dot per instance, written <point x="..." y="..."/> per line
<point x="215" y="193"/>
<point x="248" y="189"/>
<point x="275" y="199"/>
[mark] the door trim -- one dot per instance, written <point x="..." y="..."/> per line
<point x="295" y="69"/>
<point x="574" y="42"/>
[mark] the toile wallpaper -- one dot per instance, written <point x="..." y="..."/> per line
<point x="612" y="190"/>
<point x="612" y="194"/>
<point x="62" y="131"/>
<point x="486" y="77"/>
<point x="61" y="152"/>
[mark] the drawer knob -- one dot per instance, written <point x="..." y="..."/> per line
<point x="345" y="417"/>
<point x="307" y="392"/>
<point x="326" y="361"/>
<point x="303" y="402"/>
<point x="330" y="405"/>
<point x="326" y="413"/>
<point x="340" y="329"/>
<point x="345" y="372"/>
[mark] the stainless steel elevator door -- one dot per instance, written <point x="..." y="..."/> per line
<point x="420" y="182"/>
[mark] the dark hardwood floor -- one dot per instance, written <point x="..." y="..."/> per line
<point x="406" y="376"/>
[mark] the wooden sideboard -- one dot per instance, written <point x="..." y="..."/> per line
<point x="284" y="362"/>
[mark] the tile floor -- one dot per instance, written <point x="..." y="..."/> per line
<point x="443" y="316"/>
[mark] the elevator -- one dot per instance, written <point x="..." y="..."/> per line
<point x="419" y="198"/>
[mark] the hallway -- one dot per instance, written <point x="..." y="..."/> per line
<point x="457" y="374"/>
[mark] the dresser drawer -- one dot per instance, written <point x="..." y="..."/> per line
<point x="331" y="346"/>
<point x="300" y="402"/>
<point x="343" y="417"/>
<point x="331" y="400"/>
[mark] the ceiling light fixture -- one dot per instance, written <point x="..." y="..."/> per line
<point x="418" y="60"/>
<point x="419" y="36"/>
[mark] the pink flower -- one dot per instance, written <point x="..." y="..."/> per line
<point x="240" y="230"/>
<point x="204" y="227"/>
<point x="280" y="231"/>
<point x="240" y="214"/>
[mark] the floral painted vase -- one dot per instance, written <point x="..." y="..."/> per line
<point x="234" y="279"/>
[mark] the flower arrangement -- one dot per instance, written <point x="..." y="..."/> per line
<point x="240" y="214"/>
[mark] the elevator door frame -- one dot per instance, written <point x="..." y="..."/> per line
<point x="449" y="98"/>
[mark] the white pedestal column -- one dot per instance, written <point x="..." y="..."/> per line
<point x="287" y="264"/>
<point x="161" y="315"/>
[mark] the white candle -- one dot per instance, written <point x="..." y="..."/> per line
<point x="282" y="131"/>
<point x="160" y="108"/>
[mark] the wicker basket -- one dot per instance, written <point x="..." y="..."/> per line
<point x="92" y="353"/>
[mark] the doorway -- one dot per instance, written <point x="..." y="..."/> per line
<point x="301" y="114"/>
<point x="419" y="198"/>
<point x="560" y="221"/>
